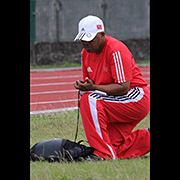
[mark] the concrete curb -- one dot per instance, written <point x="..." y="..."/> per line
<point x="52" y="111"/>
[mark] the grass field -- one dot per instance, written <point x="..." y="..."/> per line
<point x="64" y="126"/>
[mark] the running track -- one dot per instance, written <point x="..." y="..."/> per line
<point x="54" y="90"/>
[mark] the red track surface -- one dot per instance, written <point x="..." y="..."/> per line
<point x="55" y="90"/>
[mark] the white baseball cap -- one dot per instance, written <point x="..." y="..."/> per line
<point x="88" y="27"/>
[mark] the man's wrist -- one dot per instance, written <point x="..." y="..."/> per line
<point x="94" y="87"/>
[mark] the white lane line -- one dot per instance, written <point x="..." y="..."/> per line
<point x="51" y="84"/>
<point x="51" y="102"/>
<point x="49" y="111"/>
<point x="61" y="77"/>
<point x="53" y="92"/>
<point x="60" y="83"/>
<point x="145" y="73"/>
<point x="55" y="77"/>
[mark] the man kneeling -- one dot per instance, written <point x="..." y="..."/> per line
<point x="114" y="95"/>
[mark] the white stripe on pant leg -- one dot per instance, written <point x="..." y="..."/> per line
<point x="92" y="104"/>
<point x="114" y="157"/>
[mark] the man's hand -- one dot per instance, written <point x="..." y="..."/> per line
<point x="110" y="89"/>
<point x="86" y="86"/>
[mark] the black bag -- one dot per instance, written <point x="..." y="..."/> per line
<point x="59" y="150"/>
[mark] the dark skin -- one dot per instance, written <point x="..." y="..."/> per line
<point x="96" y="46"/>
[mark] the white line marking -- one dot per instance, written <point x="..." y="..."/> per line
<point x="49" y="111"/>
<point x="145" y="73"/>
<point x="55" y="77"/>
<point x="53" y="92"/>
<point x="146" y="79"/>
<point x="51" y="84"/>
<point x="51" y="102"/>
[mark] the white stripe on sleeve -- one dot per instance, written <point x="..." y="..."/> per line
<point x="117" y="72"/>
<point x="119" y="67"/>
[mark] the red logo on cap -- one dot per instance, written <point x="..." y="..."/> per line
<point x="99" y="26"/>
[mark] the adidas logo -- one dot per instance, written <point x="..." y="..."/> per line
<point x="89" y="69"/>
<point x="82" y="29"/>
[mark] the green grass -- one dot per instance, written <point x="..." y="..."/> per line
<point x="64" y="126"/>
<point x="143" y="62"/>
<point x="65" y="64"/>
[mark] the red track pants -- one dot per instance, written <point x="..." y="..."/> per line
<point x="109" y="120"/>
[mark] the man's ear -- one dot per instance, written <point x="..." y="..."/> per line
<point x="102" y="33"/>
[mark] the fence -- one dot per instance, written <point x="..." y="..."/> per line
<point x="57" y="20"/>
